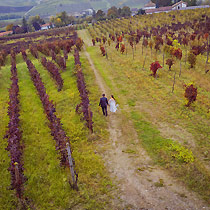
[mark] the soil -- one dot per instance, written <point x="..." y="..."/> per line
<point x="142" y="185"/>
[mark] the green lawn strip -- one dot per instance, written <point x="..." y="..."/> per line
<point x="91" y="51"/>
<point x="93" y="180"/>
<point x="174" y="156"/>
<point x="100" y="125"/>
<point x="7" y="196"/>
<point x="47" y="184"/>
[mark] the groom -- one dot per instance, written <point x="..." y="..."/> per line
<point x="103" y="103"/>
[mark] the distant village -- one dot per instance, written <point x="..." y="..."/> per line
<point x="148" y="8"/>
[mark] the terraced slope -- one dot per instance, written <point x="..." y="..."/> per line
<point x="51" y="7"/>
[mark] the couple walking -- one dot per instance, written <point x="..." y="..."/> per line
<point x="104" y="102"/>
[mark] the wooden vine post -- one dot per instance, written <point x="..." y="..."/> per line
<point x="207" y="56"/>
<point x="74" y="176"/>
<point x="174" y="82"/>
<point x="180" y="68"/>
<point x="20" y="190"/>
<point x="144" y="60"/>
<point x="106" y="52"/>
<point x="90" y="119"/>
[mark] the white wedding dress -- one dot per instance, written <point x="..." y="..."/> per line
<point x="113" y="105"/>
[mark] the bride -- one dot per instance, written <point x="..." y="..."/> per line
<point x="112" y="104"/>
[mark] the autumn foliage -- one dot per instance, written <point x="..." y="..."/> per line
<point x="190" y="94"/>
<point x="169" y="62"/>
<point x="3" y="55"/>
<point x="54" y="122"/>
<point x="177" y="53"/>
<point x="103" y="51"/>
<point x="191" y="59"/>
<point x="85" y="103"/>
<point x="122" y="49"/>
<point x="14" y="134"/>
<point x="154" y="67"/>
<point x="54" y="72"/>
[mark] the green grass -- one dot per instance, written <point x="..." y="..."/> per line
<point x="179" y="161"/>
<point x="126" y="75"/>
<point x="40" y="157"/>
<point x="47" y="183"/>
<point x="99" y="67"/>
<point x="7" y="197"/>
<point x="136" y="89"/>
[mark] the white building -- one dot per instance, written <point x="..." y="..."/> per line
<point x="179" y="5"/>
<point x="149" y="5"/>
<point x="88" y="12"/>
<point x="46" y="26"/>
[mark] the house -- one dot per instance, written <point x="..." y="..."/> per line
<point x="149" y="5"/>
<point x="77" y="15"/>
<point x="195" y="7"/>
<point x="46" y="26"/>
<point x="6" y="33"/>
<point x="179" y="5"/>
<point x="134" y="11"/>
<point x="88" y="12"/>
<point x="158" y="10"/>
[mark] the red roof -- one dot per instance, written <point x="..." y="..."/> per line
<point x="46" y="24"/>
<point x="5" y="33"/>
<point x="150" y="4"/>
<point x="160" y="9"/>
<point x="180" y="2"/>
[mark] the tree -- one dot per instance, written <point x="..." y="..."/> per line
<point x="100" y="15"/>
<point x="9" y="27"/>
<point x="58" y="22"/>
<point x="36" y="19"/>
<point x="64" y="18"/>
<point x="71" y="19"/>
<point x="162" y="3"/>
<point x="14" y="28"/>
<point x="124" y="12"/>
<point x="19" y="30"/>
<point x="206" y="2"/>
<point x="191" y="2"/>
<point x="141" y="12"/>
<point x="24" y="25"/>
<point x="112" y="13"/>
<point x="36" y="26"/>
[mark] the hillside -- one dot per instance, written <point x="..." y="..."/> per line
<point x="18" y="3"/>
<point x="51" y="7"/>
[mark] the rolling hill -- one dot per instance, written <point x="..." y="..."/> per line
<point x="18" y="3"/>
<point x="46" y="8"/>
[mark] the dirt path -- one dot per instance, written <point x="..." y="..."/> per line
<point x="142" y="185"/>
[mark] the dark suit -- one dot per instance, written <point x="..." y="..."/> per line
<point x="103" y="103"/>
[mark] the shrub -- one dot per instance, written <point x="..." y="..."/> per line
<point x="122" y="49"/>
<point x="103" y="51"/>
<point x="190" y="94"/>
<point x="170" y="63"/>
<point x="191" y="59"/>
<point x="154" y="67"/>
